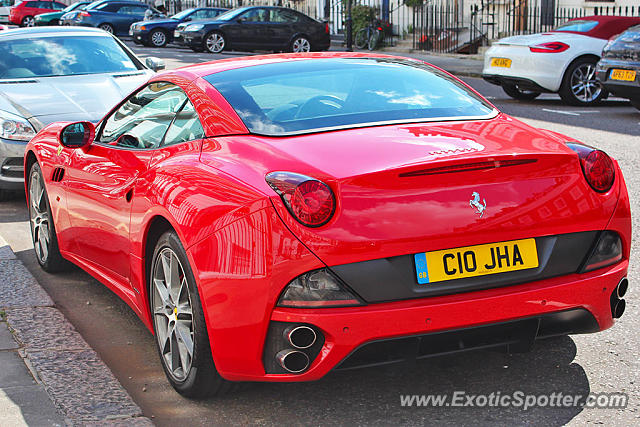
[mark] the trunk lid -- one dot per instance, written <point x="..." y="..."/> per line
<point x="414" y="188"/>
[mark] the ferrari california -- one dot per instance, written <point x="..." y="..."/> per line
<point x="562" y="61"/>
<point x="273" y="218"/>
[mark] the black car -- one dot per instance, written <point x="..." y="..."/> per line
<point x="619" y="68"/>
<point x="159" y="32"/>
<point x="257" y="28"/>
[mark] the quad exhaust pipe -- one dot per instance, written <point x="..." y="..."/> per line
<point x="618" y="305"/>
<point x="293" y="361"/>
<point x="300" y="337"/>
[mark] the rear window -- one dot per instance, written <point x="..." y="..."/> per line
<point x="578" y="26"/>
<point x="312" y="95"/>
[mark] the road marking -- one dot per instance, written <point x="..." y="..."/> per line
<point x="568" y="113"/>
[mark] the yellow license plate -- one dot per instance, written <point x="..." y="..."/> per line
<point x="501" y="62"/>
<point x="479" y="260"/>
<point x="626" y="75"/>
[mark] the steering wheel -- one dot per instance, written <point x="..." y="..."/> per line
<point x="323" y="101"/>
<point x="126" y="140"/>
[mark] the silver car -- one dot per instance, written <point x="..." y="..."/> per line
<point x="54" y="74"/>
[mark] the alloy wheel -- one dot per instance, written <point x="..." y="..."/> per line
<point x="584" y="85"/>
<point x="301" y="45"/>
<point x="173" y="314"/>
<point x="215" y="43"/>
<point x="39" y="218"/>
<point x="29" y="21"/>
<point x="158" y="38"/>
<point x="106" y="27"/>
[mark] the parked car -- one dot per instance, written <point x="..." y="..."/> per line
<point x="58" y="73"/>
<point x="23" y="14"/>
<point x="288" y="215"/>
<point x="258" y="28"/>
<point x="619" y="69"/>
<point x="112" y="16"/>
<point x="5" y="6"/>
<point x="159" y="32"/>
<point x="562" y="60"/>
<point x="53" y="18"/>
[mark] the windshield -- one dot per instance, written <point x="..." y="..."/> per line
<point x="229" y="15"/>
<point x="62" y="56"/>
<point x="182" y="14"/>
<point x="312" y="95"/>
<point x="578" y="26"/>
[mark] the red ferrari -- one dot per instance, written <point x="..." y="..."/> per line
<point x="277" y="217"/>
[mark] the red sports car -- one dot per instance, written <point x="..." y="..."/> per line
<point x="276" y="217"/>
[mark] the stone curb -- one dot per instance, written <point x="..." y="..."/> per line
<point x="79" y="384"/>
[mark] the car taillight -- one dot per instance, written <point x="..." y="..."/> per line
<point x="310" y="201"/>
<point x="551" y="47"/>
<point x="597" y="167"/>
<point x="317" y="289"/>
<point x="607" y="251"/>
<point x="85" y="14"/>
<point x="326" y="27"/>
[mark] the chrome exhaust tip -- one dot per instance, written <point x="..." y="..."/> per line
<point x="300" y="337"/>
<point x="618" y="310"/>
<point x="622" y="288"/>
<point x="293" y="361"/>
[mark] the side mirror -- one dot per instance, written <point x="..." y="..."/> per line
<point x="156" y="64"/>
<point x="77" y="135"/>
<point x="240" y="20"/>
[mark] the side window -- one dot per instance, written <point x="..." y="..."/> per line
<point x="185" y="127"/>
<point x="284" y="16"/>
<point x="108" y="7"/>
<point x="58" y="6"/>
<point x="205" y="14"/>
<point x="31" y="4"/>
<point x="143" y="119"/>
<point x="132" y="10"/>
<point x="255" y="15"/>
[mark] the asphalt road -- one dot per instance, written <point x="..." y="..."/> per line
<point x="603" y="362"/>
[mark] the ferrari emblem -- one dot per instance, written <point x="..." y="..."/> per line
<point x="59" y="149"/>
<point x="475" y="203"/>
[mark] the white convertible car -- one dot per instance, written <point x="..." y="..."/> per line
<point x="563" y="60"/>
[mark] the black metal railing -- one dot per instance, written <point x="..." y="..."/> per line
<point x="439" y="26"/>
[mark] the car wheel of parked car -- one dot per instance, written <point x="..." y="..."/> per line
<point x="214" y="42"/>
<point x="43" y="231"/>
<point x="178" y="322"/>
<point x="28" y="21"/>
<point x="515" y="93"/>
<point x="106" y="27"/>
<point x="158" y="38"/>
<point x="300" y="44"/>
<point x="579" y="84"/>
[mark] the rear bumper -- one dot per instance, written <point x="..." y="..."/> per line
<point x="346" y="330"/>
<point x="623" y="89"/>
<point x="522" y="83"/>
<point x="543" y="70"/>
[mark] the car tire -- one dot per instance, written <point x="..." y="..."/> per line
<point x="635" y="103"/>
<point x="300" y="44"/>
<point x="177" y="318"/>
<point x="214" y="42"/>
<point x="107" y="27"/>
<point x="580" y="86"/>
<point x="523" y="95"/>
<point x="157" y="38"/>
<point x="28" y="21"/>
<point x="43" y="230"/>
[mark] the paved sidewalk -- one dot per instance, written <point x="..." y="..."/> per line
<point x="49" y="376"/>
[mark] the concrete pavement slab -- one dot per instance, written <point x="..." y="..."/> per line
<point x="14" y="372"/>
<point x="7" y="342"/>
<point x="27" y="406"/>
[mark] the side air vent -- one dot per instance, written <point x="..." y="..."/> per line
<point x="58" y="174"/>
<point x="465" y="167"/>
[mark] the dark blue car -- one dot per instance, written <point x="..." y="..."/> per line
<point x="112" y="16"/>
<point x="159" y="32"/>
